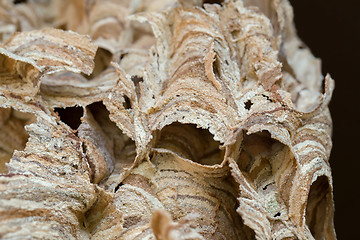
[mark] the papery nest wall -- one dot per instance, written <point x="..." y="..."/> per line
<point x="162" y="120"/>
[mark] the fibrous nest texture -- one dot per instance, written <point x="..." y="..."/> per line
<point x="161" y="119"/>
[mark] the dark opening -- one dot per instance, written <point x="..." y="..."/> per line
<point x="257" y="147"/>
<point x="102" y="61"/>
<point x="101" y="116"/>
<point x="19" y="1"/>
<point x="235" y="34"/>
<point x="119" y="145"/>
<point x="13" y="135"/>
<point x="217" y="67"/>
<point x="323" y="86"/>
<point x="219" y="2"/>
<point x="136" y="79"/>
<point x="260" y="159"/>
<point x="126" y="103"/>
<point x="122" y="55"/>
<point x="248" y="105"/>
<point x="190" y="142"/>
<point x="118" y="186"/>
<point x="318" y="215"/>
<point x="62" y="27"/>
<point x="70" y="116"/>
<point x="137" y="82"/>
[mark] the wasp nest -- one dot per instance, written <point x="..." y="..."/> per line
<point x="161" y="120"/>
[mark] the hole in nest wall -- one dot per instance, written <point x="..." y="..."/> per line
<point x="119" y="144"/>
<point x="127" y="102"/>
<point x="235" y="34"/>
<point x="19" y="1"/>
<point x="136" y="79"/>
<point x="137" y="82"/>
<point x="70" y="116"/>
<point x="219" y="2"/>
<point x="318" y="215"/>
<point x="13" y="135"/>
<point x="258" y="159"/>
<point x="217" y="67"/>
<point x="248" y="105"/>
<point x="109" y="128"/>
<point x="118" y="186"/>
<point x="204" y="192"/>
<point x="102" y="61"/>
<point x="257" y="147"/>
<point x="190" y="142"/>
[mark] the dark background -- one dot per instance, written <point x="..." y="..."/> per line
<point x="331" y="29"/>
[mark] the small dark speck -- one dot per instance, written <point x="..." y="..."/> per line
<point x="248" y="105"/>
<point x="278" y="214"/>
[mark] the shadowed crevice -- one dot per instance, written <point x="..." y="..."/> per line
<point x="13" y="135"/>
<point x="190" y="142"/>
<point x="219" y="2"/>
<point x="318" y="216"/>
<point x="70" y="116"/>
<point x="104" y="137"/>
<point x="102" y="61"/>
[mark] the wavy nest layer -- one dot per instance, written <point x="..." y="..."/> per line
<point x="161" y="119"/>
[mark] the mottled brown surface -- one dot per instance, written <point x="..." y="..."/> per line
<point x="200" y="120"/>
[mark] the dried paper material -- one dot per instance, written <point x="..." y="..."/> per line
<point x="161" y="120"/>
